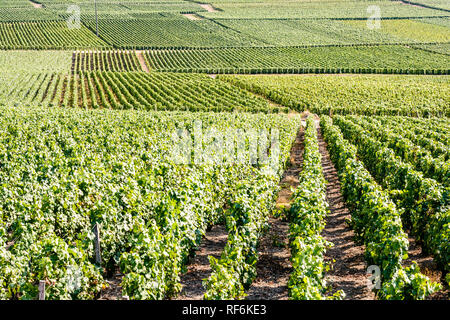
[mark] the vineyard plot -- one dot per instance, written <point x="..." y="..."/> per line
<point x="105" y="61"/>
<point x="117" y="169"/>
<point x="358" y="94"/>
<point x="443" y="48"/>
<point x="167" y="31"/>
<point x="424" y="200"/>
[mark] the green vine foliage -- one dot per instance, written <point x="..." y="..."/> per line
<point x="425" y="202"/>
<point x="246" y="218"/>
<point x="307" y="220"/>
<point x="63" y="172"/>
<point x="376" y="221"/>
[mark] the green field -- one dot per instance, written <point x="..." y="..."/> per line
<point x="335" y="59"/>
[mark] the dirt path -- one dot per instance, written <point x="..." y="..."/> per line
<point x="199" y="269"/>
<point x="141" y="59"/>
<point x="349" y="269"/>
<point x="274" y="266"/>
<point x="36" y="5"/>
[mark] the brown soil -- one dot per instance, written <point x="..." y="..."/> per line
<point x="199" y="269"/>
<point x="142" y="61"/>
<point x="349" y="268"/>
<point x="273" y="267"/>
<point x="428" y="267"/>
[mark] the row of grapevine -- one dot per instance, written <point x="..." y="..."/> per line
<point x="132" y="90"/>
<point x="425" y="201"/>
<point x="376" y="221"/>
<point x="68" y="171"/>
<point x="285" y="32"/>
<point x="166" y="30"/>
<point x="307" y="221"/>
<point x="117" y="60"/>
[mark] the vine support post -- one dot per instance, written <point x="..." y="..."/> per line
<point x="41" y="290"/>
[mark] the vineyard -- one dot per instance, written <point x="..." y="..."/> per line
<point x="359" y="94"/>
<point x="44" y="35"/>
<point x="336" y="59"/>
<point x="130" y="90"/>
<point x="259" y="150"/>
